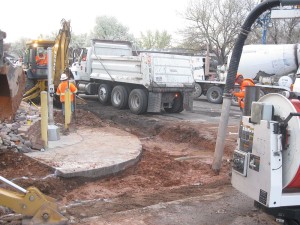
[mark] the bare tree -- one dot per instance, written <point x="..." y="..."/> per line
<point x="284" y="31"/>
<point x="215" y="23"/>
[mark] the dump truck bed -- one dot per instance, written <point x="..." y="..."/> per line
<point x="147" y="69"/>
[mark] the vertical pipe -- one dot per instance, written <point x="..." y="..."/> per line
<point x="44" y="118"/>
<point x="251" y="95"/>
<point x="67" y="108"/>
<point x="50" y="87"/>
<point x="207" y="62"/>
<point x="222" y="131"/>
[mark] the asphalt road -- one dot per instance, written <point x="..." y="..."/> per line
<point x="203" y="111"/>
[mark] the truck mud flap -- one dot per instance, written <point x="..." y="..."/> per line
<point x="188" y="101"/>
<point x="12" y="86"/>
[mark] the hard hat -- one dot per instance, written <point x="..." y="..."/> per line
<point x="63" y="77"/>
<point x="40" y="50"/>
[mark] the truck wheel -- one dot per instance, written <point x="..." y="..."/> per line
<point x="119" y="97"/>
<point x="197" y="91"/>
<point x="291" y="222"/>
<point x="214" y="95"/>
<point x="138" y="101"/>
<point x="104" y="94"/>
<point x="234" y="99"/>
<point x="177" y="105"/>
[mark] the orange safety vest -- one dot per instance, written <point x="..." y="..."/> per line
<point x="41" y="61"/>
<point x="61" y="90"/>
<point x="241" y="94"/>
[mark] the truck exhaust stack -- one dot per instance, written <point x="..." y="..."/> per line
<point x="12" y="85"/>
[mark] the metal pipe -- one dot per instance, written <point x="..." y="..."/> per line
<point x="50" y="87"/>
<point x="251" y="95"/>
<point x="222" y="130"/>
<point x="17" y="187"/>
<point x="44" y="118"/>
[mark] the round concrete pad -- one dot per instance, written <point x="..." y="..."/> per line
<point x="91" y="152"/>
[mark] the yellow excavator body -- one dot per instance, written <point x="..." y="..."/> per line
<point x="36" y="74"/>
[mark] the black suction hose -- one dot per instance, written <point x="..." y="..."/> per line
<point x="233" y="66"/>
<point x="245" y="29"/>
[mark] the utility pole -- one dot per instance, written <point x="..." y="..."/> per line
<point x="264" y="22"/>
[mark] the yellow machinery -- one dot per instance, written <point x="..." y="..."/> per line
<point x="36" y="72"/>
<point x="36" y="207"/>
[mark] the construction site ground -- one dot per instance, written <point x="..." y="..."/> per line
<point x="172" y="183"/>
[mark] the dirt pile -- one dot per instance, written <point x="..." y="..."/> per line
<point x="176" y="162"/>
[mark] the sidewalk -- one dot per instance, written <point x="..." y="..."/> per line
<point x="91" y="152"/>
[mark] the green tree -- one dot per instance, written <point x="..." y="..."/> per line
<point x="109" y="28"/>
<point x="155" y="40"/>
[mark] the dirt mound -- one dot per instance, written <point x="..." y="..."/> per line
<point x="187" y="134"/>
<point x="81" y="118"/>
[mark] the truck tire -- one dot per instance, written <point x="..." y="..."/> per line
<point x="104" y="94"/>
<point x="197" y="91"/>
<point x="177" y="105"/>
<point x="119" y="97"/>
<point x="234" y="101"/>
<point x="214" y="95"/>
<point x="138" y="101"/>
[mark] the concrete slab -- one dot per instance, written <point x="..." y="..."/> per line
<point x="91" y="152"/>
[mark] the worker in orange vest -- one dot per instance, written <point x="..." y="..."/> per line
<point x="239" y="79"/>
<point x="41" y="59"/>
<point x="61" y="90"/>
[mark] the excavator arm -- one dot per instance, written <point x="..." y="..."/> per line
<point x="31" y="203"/>
<point x="60" y="52"/>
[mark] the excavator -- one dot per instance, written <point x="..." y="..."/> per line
<point x="12" y="84"/>
<point x="35" y="207"/>
<point x="35" y="61"/>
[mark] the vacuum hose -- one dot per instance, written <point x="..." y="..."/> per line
<point x="233" y="66"/>
<point x="245" y="29"/>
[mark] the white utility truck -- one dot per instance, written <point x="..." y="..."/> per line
<point x="272" y="67"/>
<point x="148" y="82"/>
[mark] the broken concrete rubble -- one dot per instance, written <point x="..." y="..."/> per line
<point x="22" y="133"/>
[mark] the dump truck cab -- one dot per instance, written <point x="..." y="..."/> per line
<point x="36" y="52"/>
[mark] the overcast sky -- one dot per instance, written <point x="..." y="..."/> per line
<point x="21" y="18"/>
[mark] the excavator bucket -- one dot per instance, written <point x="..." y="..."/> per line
<point x="12" y="85"/>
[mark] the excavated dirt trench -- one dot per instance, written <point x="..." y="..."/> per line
<point x="176" y="163"/>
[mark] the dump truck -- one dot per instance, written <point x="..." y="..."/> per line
<point x="148" y="82"/>
<point x="36" y="72"/>
<point x="272" y="67"/>
<point x="12" y="84"/>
